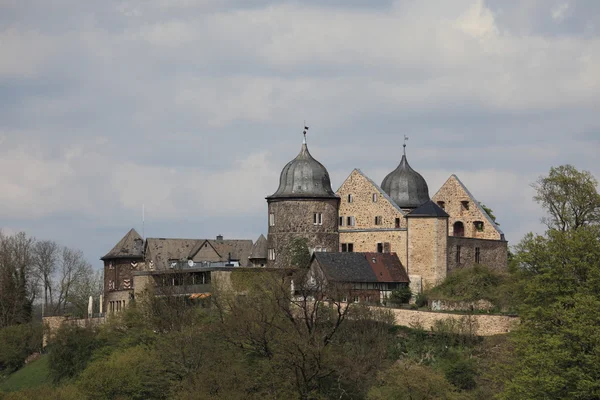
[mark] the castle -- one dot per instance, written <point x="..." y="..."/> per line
<point x="431" y="236"/>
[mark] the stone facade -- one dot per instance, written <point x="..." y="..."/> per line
<point x="463" y="209"/>
<point x="492" y="253"/>
<point x="427" y="249"/>
<point x="295" y="218"/>
<point x="376" y="218"/>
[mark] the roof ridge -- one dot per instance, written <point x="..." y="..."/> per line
<point x="381" y="191"/>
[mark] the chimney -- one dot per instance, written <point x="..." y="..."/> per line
<point x="219" y="237"/>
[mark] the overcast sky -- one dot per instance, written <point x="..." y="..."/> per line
<point x="192" y="107"/>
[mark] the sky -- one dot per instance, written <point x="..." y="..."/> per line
<point x="193" y="107"/>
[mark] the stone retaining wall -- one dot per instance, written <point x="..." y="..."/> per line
<point x="483" y="325"/>
<point x="51" y="325"/>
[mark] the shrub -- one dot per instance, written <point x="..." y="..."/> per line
<point x="421" y="300"/>
<point x="70" y="351"/>
<point x="402" y="294"/>
<point x="461" y="374"/>
<point x="135" y="373"/>
<point x="18" y="342"/>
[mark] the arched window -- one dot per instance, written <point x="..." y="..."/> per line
<point x="459" y="229"/>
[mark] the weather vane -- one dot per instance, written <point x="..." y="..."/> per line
<point x="404" y="145"/>
<point x="305" y="130"/>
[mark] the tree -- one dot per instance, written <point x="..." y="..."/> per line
<point x="73" y="268"/>
<point x="300" y="255"/>
<point x="557" y="345"/>
<point x="489" y="212"/>
<point x="18" y="286"/>
<point x="45" y="261"/>
<point x="569" y="196"/>
<point x="71" y="349"/>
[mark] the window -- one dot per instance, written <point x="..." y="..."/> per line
<point x="458" y="254"/>
<point x="355" y="299"/>
<point x="349" y="198"/>
<point x="378" y="220"/>
<point x="271" y="254"/>
<point x="341" y="223"/>
<point x="442" y="204"/>
<point x="397" y="223"/>
<point x="458" y="229"/>
<point x="464" y="205"/>
<point x="271" y="219"/>
<point x="478" y="225"/>
<point x="347" y="247"/>
<point x="111" y="265"/>
<point x="374" y="197"/>
<point x="380" y="247"/>
<point x="318" y="218"/>
<point x="477" y="255"/>
<point x="350" y="221"/>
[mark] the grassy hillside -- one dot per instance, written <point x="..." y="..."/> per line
<point x="32" y="375"/>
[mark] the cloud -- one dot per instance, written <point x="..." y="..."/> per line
<point x="193" y="108"/>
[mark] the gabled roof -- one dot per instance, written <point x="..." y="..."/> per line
<point x="161" y="251"/>
<point x="376" y="186"/>
<point x="361" y="267"/>
<point x="472" y="198"/>
<point x="387" y="267"/>
<point x="428" y="209"/>
<point x="259" y="249"/>
<point x="130" y="246"/>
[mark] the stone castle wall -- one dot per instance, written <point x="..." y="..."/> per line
<point x="366" y="241"/>
<point x="483" y="325"/>
<point x="492" y="253"/>
<point x="452" y="194"/>
<point x="427" y="249"/>
<point x="294" y="219"/>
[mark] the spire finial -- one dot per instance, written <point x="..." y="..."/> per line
<point x="404" y="145"/>
<point x="305" y="130"/>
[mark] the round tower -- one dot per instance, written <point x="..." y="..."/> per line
<point x="303" y="207"/>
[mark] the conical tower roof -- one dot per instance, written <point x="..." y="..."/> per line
<point x="131" y="246"/>
<point x="304" y="177"/>
<point x="406" y="186"/>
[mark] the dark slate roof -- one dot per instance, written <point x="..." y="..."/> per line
<point x="304" y="177"/>
<point x="345" y="267"/>
<point x="406" y="186"/>
<point x="429" y="209"/>
<point x="161" y="251"/>
<point x="259" y="249"/>
<point x="130" y="246"/>
<point x="359" y="267"/>
<point x="387" y="267"/>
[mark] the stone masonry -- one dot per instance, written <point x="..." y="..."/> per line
<point x="462" y="207"/>
<point x="366" y="202"/>
<point x="294" y="218"/>
<point x="427" y="249"/>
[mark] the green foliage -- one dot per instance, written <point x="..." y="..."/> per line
<point x="300" y="255"/>
<point x="402" y="294"/>
<point x="421" y="300"/>
<point x="557" y="345"/>
<point x="477" y="283"/>
<point x="135" y="373"/>
<point x="65" y="392"/>
<point x="71" y="349"/>
<point x="462" y="374"/>
<point x="33" y="375"/>
<point x="569" y="196"/>
<point x="408" y="381"/>
<point x="18" y="342"/>
<point x="489" y="212"/>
